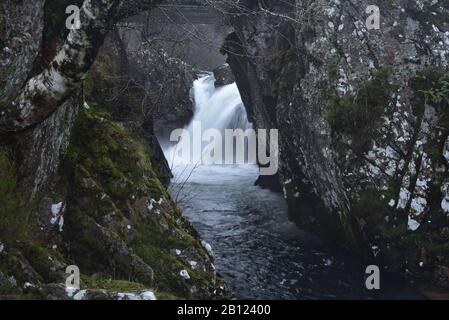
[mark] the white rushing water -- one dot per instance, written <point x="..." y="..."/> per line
<point x="218" y="108"/>
<point x="215" y="108"/>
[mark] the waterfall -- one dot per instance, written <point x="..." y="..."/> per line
<point x="218" y="108"/>
<point x="215" y="108"/>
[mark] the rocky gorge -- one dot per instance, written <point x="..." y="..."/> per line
<point x="363" y="135"/>
<point x="86" y="186"/>
<point x="362" y="119"/>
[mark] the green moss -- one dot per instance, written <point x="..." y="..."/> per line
<point x="13" y="203"/>
<point x="287" y="66"/>
<point x="103" y="81"/>
<point x="102" y="149"/>
<point x="108" y="171"/>
<point x="98" y="281"/>
<point x="39" y="258"/>
<point x="154" y="248"/>
<point x="165" y="296"/>
<point x="358" y="116"/>
<point x="35" y="257"/>
<point x="401" y="248"/>
<point x="8" y="288"/>
<point x="386" y="227"/>
<point x="431" y="86"/>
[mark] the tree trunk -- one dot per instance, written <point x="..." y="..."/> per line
<point x="45" y="92"/>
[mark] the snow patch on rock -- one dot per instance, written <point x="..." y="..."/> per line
<point x="413" y="225"/>
<point x="184" y="274"/>
<point x="147" y="295"/>
<point x="57" y="211"/>
<point x="56" y="208"/>
<point x="70" y="291"/>
<point x="445" y="201"/>
<point x="80" y="295"/>
<point x="404" y="196"/>
<point x="207" y="247"/>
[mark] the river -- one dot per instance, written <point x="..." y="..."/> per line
<point x="257" y="250"/>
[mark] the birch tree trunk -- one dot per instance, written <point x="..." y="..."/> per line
<point x="43" y="93"/>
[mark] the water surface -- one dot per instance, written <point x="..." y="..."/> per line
<point x="258" y="251"/>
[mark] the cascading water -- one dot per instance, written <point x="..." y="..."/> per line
<point x="215" y="108"/>
<point x="218" y="108"/>
<point x="257" y="250"/>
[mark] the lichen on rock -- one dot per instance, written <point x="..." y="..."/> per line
<point x="362" y="116"/>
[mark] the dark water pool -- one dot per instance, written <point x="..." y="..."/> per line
<point x="258" y="251"/>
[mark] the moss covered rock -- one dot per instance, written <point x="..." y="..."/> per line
<point x="119" y="219"/>
<point x="363" y="122"/>
<point x="107" y="213"/>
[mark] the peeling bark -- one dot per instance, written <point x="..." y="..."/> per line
<point x="45" y="92"/>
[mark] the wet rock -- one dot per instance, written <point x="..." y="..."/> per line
<point x="22" y="269"/>
<point x="90" y="171"/>
<point x="42" y="147"/>
<point x="21" y="33"/>
<point x="445" y="233"/>
<point x="269" y="182"/>
<point x="53" y="291"/>
<point x="336" y="167"/>
<point x="111" y="247"/>
<point x="58" y="291"/>
<point x="125" y="243"/>
<point x="441" y="277"/>
<point x="223" y="75"/>
<point x="8" y="286"/>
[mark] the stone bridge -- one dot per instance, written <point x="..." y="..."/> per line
<point x="182" y="14"/>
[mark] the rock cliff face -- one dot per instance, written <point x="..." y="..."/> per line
<point x="85" y="186"/>
<point x="21" y="29"/>
<point x="223" y="75"/>
<point x="362" y="117"/>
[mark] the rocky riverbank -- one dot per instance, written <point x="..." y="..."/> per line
<point x="363" y="124"/>
<point x="87" y="186"/>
